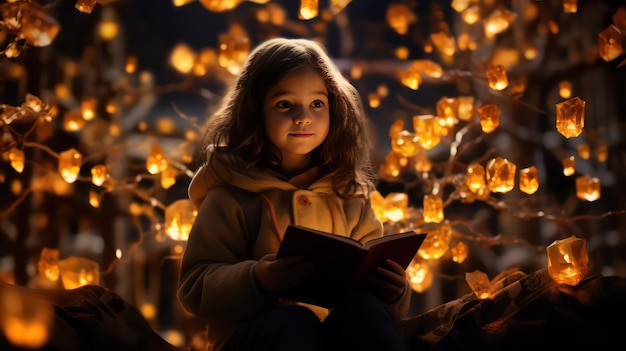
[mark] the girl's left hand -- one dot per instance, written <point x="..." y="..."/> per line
<point x="387" y="281"/>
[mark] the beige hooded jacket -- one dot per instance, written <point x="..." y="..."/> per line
<point x="216" y="277"/>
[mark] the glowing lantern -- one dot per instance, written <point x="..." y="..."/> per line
<point x="400" y="17"/>
<point x="570" y="6"/>
<point x="471" y="14"/>
<point x="26" y="318"/>
<point x="85" y="6"/>
<point x="459" y="252"/>
<point x="69" y="164"/>
<point x="182" y="58"/>
<point x="108" y="29"/>
<point x="436" y="243"/>
<point x="94" y="199"/>
<point x="466" y="108"/>
<point x="233" y="51"/>
<point x="220" y="5"/>
<point x="610" y="43"/>
<point x="88" y="108"/>
<point x="394" y="162"/>
<point x="567" y="260"/>
<point x="16" y="158"/>
<point x="459" y="5"/>
<point x="428" y="130"/>
<point x="309" y="9"/>
<point x="392" y="207"/>
<point x="569" y="165"/>
<point x="73" y="120"/>
<point x="78" y="271"/>
<point x="420" y="275"/>
<point x="529" y="180"/>
<point x="433" y="208"/>
<point x="497" y="78"/>
<point x="402" y="52"/>
<point x="405" y="143"/>
<point x="570" y="117"/>
<point x="428" y="67"/>
<point x="479" y="283"/>
<point x="179" y="217"/>
<point x="500" y="175"/>
<point x="373" y="100"/>
<point x="48" y="264"/>
<point x="411" y="78"/>
<point x="602" y="152"/>
<point x="475" y="179"/>
<point x="131" y="64"/>
<point x="168" y="177"/>
<point x="37" y="27"/>
<point x="98" y="174"/>
<point x="422" y="163"/>
<point x="565" y="89"/>
<point x="583" y="151"/>
<point x="445" y="43"/>
<point x="498" y="22"/>
<point x="587" y="188"/>
<point x="155" y="162"/>
<point x="489" y="115"/>
<point x="447" y="109"/>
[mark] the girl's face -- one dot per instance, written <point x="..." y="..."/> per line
<point x="297" y="118"/>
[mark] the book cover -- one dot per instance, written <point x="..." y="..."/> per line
<point x="342" y="262"/>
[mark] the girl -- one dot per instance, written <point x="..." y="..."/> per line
<point x="292" y="131"/>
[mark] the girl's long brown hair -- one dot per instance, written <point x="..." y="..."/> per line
<point x="237" y="126"/>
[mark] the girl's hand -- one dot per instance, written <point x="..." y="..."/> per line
<point x="387" y="281"/>
<point x="276" y="275"/>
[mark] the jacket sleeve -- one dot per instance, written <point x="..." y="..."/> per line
<point x="216" y="278"/>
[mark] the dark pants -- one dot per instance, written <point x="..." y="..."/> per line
<point x="362" y="323"/>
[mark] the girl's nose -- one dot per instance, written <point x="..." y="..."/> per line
<point x="302" y="118"/>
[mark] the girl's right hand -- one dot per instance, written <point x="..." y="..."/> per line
<point x="276" y="275"/>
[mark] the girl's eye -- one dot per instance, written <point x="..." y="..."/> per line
<point x="283" y="104"/>
<point x="317" y="103"/>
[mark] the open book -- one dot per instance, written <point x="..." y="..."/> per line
<point x="341" y="262"/>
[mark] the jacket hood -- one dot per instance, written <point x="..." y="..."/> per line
<point x="224" y="168"/>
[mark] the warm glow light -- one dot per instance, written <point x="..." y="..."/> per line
<point x="70" y="162"/>
<point x="428" y="130"/>
<point x="570" y="117"/>
<point x="183" y="58"/>
<point x="569" y="165"/>
<point x="156" y="162"/>
<point x="233" y="51"/>
<point x="392" y="207"/>
<point x="436" y="243"/>
<point x="489" y="115"/>
<point x="567" y="260"/>
<point x="529" y="180"/>
<point x="479" y="283"/>
<point x="588" y="188"/>
<point x="500" y="175"/>
<point x="309" y="9"/>
<point x="108" y="30"/>
<point x="78" y="271"/>
<point x="420" y="275"/>
<point x="405" y="143"/>
<point x="179" y="216"/>
<point x="433" y="208"/>
<point x="400" y="17"/>
<point x="26" y="318"/>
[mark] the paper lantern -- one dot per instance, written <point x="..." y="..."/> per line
<point x="567" y="260"/>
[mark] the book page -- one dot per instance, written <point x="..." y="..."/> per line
<point x="400" y="248"/>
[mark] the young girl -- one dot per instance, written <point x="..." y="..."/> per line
<point x="292" y="131"/>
